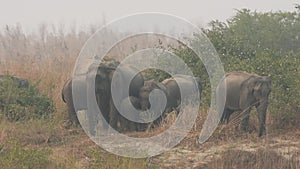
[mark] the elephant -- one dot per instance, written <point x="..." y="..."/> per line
<point x="103" y="85"/>
<point x="244" y="90"/>
<point x="19" y="82"/>
<point x="126" y="124"/>
<point x="102" y="74"/>
<point x="171" y="90"/>
<point x="81" y="87"/>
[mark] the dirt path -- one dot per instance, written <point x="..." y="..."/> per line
<point x="187" y="157"/>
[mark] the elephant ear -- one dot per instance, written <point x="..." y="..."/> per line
<point x="257" y="88"/>
<point x="263" y="87"/>
<point x="158" y="85"/>
<point x="247" y="91"/>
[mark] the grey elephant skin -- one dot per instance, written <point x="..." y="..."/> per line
<point x="103" y="83"/>
<point x="244" y="90"/>
<point x="20" y="82"/>
<point x="171" y="90"/>
<point x="129" y="105"/>
<point x="67" y="97"/>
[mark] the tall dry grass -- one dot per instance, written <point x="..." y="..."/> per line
<point x="45" y="57"/>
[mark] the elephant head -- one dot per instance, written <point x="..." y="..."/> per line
<point x="145" y="90"/>
<point x="258" y="90"/>
<point x="171" y="90"/>
<point x="104" y="75"/>
<point x="101" y="74"/>
<point x="244" y="90"/>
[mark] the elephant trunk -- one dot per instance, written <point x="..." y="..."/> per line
<point x="145" y="104"/>
<point x="262" y="109"/>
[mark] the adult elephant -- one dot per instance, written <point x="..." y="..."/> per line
<point x="244" y="90"/>
<point x="103" y="85"/>
<point x="171" y="90"/>
<point x="19" y="82"/>
<point x="101" y="78"/>
<point x="102" y="74"/>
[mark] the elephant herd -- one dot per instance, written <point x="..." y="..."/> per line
<point x="243" y="90"/>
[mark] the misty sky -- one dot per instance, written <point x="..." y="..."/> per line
<point x="32" y="13"/>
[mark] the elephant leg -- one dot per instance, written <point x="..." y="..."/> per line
<point x="73" y="118"/>
<point x="113" y="116"/>
<point x="141" y="126"/>
<point x="126" y="125"/>
<point x="262" y="109"/>
<point x="123" y="123"/>
<point x="245" y="120"/>
<point x="103" y="105"/>
<point x="226" y="115"/>
<point x="131" y="126"/>
<point x="92" y="117"/>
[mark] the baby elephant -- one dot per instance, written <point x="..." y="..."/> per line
<point x="170" y="87"/>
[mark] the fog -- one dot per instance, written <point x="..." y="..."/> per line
<point x="69" y="13"/>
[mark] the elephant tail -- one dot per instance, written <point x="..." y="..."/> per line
<point x="66" y="88"/>
<point x="63" y="97"/>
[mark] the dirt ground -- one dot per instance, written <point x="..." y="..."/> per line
<point x="190" y="154"/>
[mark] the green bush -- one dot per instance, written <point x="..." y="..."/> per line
<point x="265" y="44"/>
<point x="261" y="43"/>
<point x="23" y="103"/>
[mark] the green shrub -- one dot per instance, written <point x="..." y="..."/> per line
<point x="260" y="43"/>
<point x="265" y="44"/>
<point x="23" y="103"/>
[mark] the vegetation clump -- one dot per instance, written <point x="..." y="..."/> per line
<point x="23" y="103"/>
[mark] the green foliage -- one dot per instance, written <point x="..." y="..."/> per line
<point x="248" y="34"/>
<point x="262" y="43"/>
<point x="14" y="156"/>
<point x="23" y="103"/>
<point x="265" y="44"/>
<point x="156" y="74"/>
<point x="198" y="69"/>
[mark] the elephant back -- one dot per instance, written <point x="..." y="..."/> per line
<point x="185" y="81"/>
